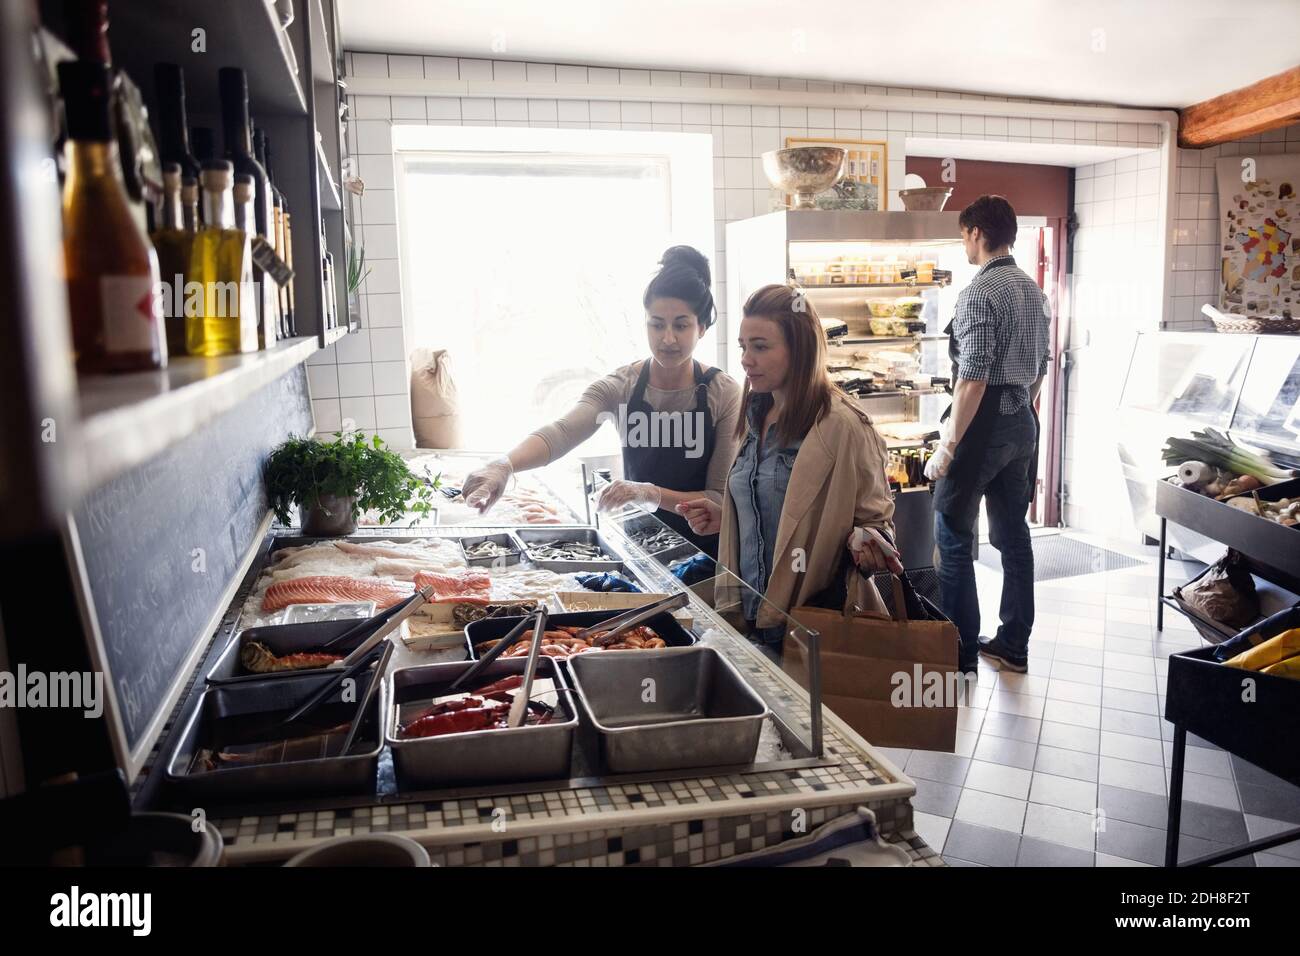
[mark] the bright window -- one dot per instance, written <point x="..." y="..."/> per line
<point x="525" y="253"/>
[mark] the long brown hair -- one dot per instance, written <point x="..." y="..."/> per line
<point x="809" y="389"/>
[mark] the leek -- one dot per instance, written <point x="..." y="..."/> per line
<point x="1218" y="450"/>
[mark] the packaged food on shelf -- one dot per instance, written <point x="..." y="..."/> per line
<point x="908" y="306"/>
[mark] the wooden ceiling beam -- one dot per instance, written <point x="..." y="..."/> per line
<point x="1268" y="104"/>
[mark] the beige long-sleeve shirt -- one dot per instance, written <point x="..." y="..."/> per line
<point x="604" y="398"/>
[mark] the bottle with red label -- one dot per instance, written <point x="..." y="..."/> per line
<point x="109" y="264"/>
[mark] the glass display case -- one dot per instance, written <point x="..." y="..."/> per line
<point x="883" y="284"/>
<point x="1246" y="386"/>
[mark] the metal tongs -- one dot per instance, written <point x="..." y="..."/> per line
<point x="378" y="620"/>
<point x="629" y="619"/>
<point x="519" y="706"/>
<point x="500" y="647"/>
<point x="362" y="657"/>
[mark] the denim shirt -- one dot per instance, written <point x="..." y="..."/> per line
<point x="758" y="484"/>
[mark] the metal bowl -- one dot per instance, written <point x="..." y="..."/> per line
<point x="925" y="199"/>
<point x="805" y="171"/>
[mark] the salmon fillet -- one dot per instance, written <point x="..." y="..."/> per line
<point x="458" y="587"/>
<point x="331" y="589"/>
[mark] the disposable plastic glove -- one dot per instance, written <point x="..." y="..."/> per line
<point x="621" y="493"/>
<point x="484" y="487"/>
<point x="941" y="460"/>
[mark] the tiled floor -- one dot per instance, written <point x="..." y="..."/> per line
<point x="1068" y="765"/>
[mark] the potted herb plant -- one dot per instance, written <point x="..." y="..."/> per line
<point x="334" y="481"/>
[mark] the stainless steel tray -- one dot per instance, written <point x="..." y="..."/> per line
<point x="542" y="535"/>
<point x="505" y="539"/>
<point x="293" y="638"/>
<point x="484" y="756"/>
<point x="226" y="713"/>
<point x="665" y="625"/>
<point x="664" y="556"/>
<point x="678" y="707"/>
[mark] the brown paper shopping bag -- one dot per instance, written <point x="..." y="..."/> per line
<point x="893" y="680"/>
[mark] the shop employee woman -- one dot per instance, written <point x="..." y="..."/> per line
<point x="701" y="408"/>
<point x="811" y="470"/>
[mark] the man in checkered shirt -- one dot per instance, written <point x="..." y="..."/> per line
<point x="999" y="342"/>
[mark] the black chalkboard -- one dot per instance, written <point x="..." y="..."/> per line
<point x="163" y="542"/>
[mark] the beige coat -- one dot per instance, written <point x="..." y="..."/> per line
<point x="838" y="483"/>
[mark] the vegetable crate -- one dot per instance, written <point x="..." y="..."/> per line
<point x="1252" y="715"/>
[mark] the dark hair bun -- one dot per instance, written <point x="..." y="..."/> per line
<point x="684" y="274"/>
<point x="687" y="257"/>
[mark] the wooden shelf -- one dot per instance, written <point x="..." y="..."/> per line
<point x="244" y="33"/>
<point x="127" y="419"/>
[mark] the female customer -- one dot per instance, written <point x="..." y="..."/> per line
<point x="677" y="421"/>
<point x="811" y="470"/>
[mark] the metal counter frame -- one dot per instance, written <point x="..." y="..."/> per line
<point x="678" y="818"/>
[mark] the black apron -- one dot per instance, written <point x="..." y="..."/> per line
<point x="958" y="491"/>
<point x="669" y="467"/>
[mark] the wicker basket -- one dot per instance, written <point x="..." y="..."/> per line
<point x="1254" y="325"/>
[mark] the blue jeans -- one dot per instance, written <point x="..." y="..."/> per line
<point x="1005" y="481"/>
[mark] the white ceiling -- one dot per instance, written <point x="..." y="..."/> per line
<point x="1160" y="53"/>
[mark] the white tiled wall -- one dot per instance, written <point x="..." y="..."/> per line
<point x="1195" y="267"/>
<point x="1115" y="288"/>
<point x="375" y="358"/>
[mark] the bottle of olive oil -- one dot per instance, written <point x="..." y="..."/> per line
<point x="173" y="243"/>
<point x="221" y="262"/>
<point x="190" y="203"/>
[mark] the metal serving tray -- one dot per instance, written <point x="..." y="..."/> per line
<point x="294" y="638"/>
<point x="665" y="625"/>
<point x="544" y="535"/>
<point x="482" y="756"/>
<point x="505" y="539"/>
<point x="237" y="706"/>
<point x="663" y="556"/>
<point x="700" y="711"/>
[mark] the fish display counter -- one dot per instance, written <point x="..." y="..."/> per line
<point x="724" y="758"/>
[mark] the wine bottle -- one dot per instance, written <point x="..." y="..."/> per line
<point x="110" y="267"/>
<point x="173" y="242"/>
<point x="222" y="264"/>
<point x="173" y="133"/>
<point x="278" y="208"/>
<point x="246" y="219"/>
<point x="238" y="138"/>
<point x="204" y="144"/>
<point x="287" y="253"/>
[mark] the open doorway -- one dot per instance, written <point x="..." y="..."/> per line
<point x="1041" y="195"/>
